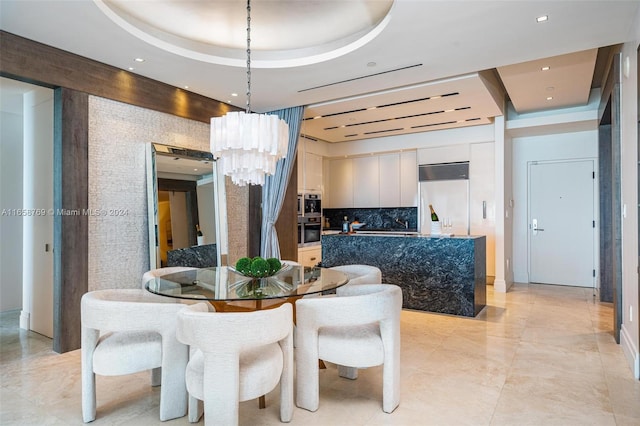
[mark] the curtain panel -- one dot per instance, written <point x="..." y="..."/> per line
<point x="275" y="186"/>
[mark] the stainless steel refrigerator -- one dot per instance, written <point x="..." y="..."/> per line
<point x="446" y="187"/>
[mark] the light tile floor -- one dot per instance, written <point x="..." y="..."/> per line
<point x="537" y="355"/>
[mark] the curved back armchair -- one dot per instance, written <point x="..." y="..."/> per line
<point x="358" y="329"/>
<point x="360" y="274"/>
<point x="239" y="356"/>
<point x="154" y="273"/>
<point x="126" y="331"/>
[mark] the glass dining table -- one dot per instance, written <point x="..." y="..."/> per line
<point x="228" y="290"/>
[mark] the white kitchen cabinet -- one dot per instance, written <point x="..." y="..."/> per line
<point x="312" y="172"/>
<point x="482" y="206"/>
<point x="340" y="194"/>
<point x="408" y="179"/>
<point x="384" y="180"/>
<point x="309" y="172"/>
<point x="310" y="256"/>
<point x="366" y="181"/>
<point x="300" y="171"/>
<point x="389" y="165"/>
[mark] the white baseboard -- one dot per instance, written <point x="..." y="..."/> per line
<point x="502" y="286"/>
<point x="630" y="351"/>
<point x="25" y="320"/>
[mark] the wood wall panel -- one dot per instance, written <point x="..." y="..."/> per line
<point x="70" y="192"/>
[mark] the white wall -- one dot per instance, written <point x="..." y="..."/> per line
<point x="563" y="146"/>
<point x="630" y="332"/>
<point x="11" y="198"/>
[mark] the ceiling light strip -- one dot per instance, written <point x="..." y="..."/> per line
<point x="384" y="106"/>
<point x="424" y="114"/>
<point x="383" y="131"/>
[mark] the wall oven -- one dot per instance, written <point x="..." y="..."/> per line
<point x="312" y="205"/>
<point x="309" y="231"/>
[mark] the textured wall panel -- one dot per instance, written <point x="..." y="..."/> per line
<point x="118" y="236"/>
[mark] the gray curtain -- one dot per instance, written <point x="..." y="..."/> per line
<point x="275" y="186"/>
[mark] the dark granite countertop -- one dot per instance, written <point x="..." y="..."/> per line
<point x="411" y="234"/>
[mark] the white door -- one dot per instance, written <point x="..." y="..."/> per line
<point x="561" y="223"/>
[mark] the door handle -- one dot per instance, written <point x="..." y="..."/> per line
<point x="534" y="226"/>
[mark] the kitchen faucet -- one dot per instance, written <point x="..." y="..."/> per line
<point x="405" y="224"/>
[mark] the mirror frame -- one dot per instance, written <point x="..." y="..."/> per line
<point x="219" y="198"/>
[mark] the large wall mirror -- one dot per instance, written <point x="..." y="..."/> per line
<point x="187" y="208"/>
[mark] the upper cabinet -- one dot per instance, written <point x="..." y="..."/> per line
<point x="389" y="188"/>
<point x="366" y="181"/>
<point x="312" y="172"/>
<point x="309" y="172"/>
<point x="385" y="180"/>
<point x="340" y="193"/>
<point x="408" y="179"/>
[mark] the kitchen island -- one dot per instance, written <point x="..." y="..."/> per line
<point x="436" y="273"/>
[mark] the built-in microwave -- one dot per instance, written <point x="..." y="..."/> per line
<point x="312" y="205"/>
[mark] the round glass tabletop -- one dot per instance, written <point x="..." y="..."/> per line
<point x="225" y="284"/>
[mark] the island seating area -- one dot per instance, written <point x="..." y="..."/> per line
<point x="437" y="274"/>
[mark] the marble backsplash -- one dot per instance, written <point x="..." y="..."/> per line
<point x="376" y="219"/>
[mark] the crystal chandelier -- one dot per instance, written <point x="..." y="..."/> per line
<point x="249" y="144"/>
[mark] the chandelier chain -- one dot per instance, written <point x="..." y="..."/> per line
<point x="248" y="57"/>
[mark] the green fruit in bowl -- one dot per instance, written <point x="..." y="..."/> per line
<point x="243" y="265"/>
<point x="259" y="267"/>
<point x="274" y="265"/>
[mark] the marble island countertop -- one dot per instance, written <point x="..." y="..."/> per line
<point x="436" y="273"/>
<point x="397" y="233"/>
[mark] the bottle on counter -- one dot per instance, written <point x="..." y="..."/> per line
<point x="435" y="222"/>
<point x="200" y="235"/>
<point x="345" y="226"/>
<point x="434" y="216"/>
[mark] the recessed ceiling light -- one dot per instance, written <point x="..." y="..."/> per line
<point x="195" y="170"/>
<point x="449" y="110"/>
<point x="549" y="98"/>
<point x="234" y="94"/>
<point x="545" y="68"/>
<point x="371" y="64"/>
<point x="139" y="60"/>
<point x="550" y="89"/>
<point x="317" y="116"/>
<point x="542" y="18"/>
<point x="435" y="97"/>
<point x="131" y="68"/>
<point x="186" y="87"/>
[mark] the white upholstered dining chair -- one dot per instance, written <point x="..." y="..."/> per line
<point x="238" y="356"/>
<point x="154" y="273"/>
<point x="359" y="328"/>
<point x="360" y="274"/>
<point x="126" y="331"/>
